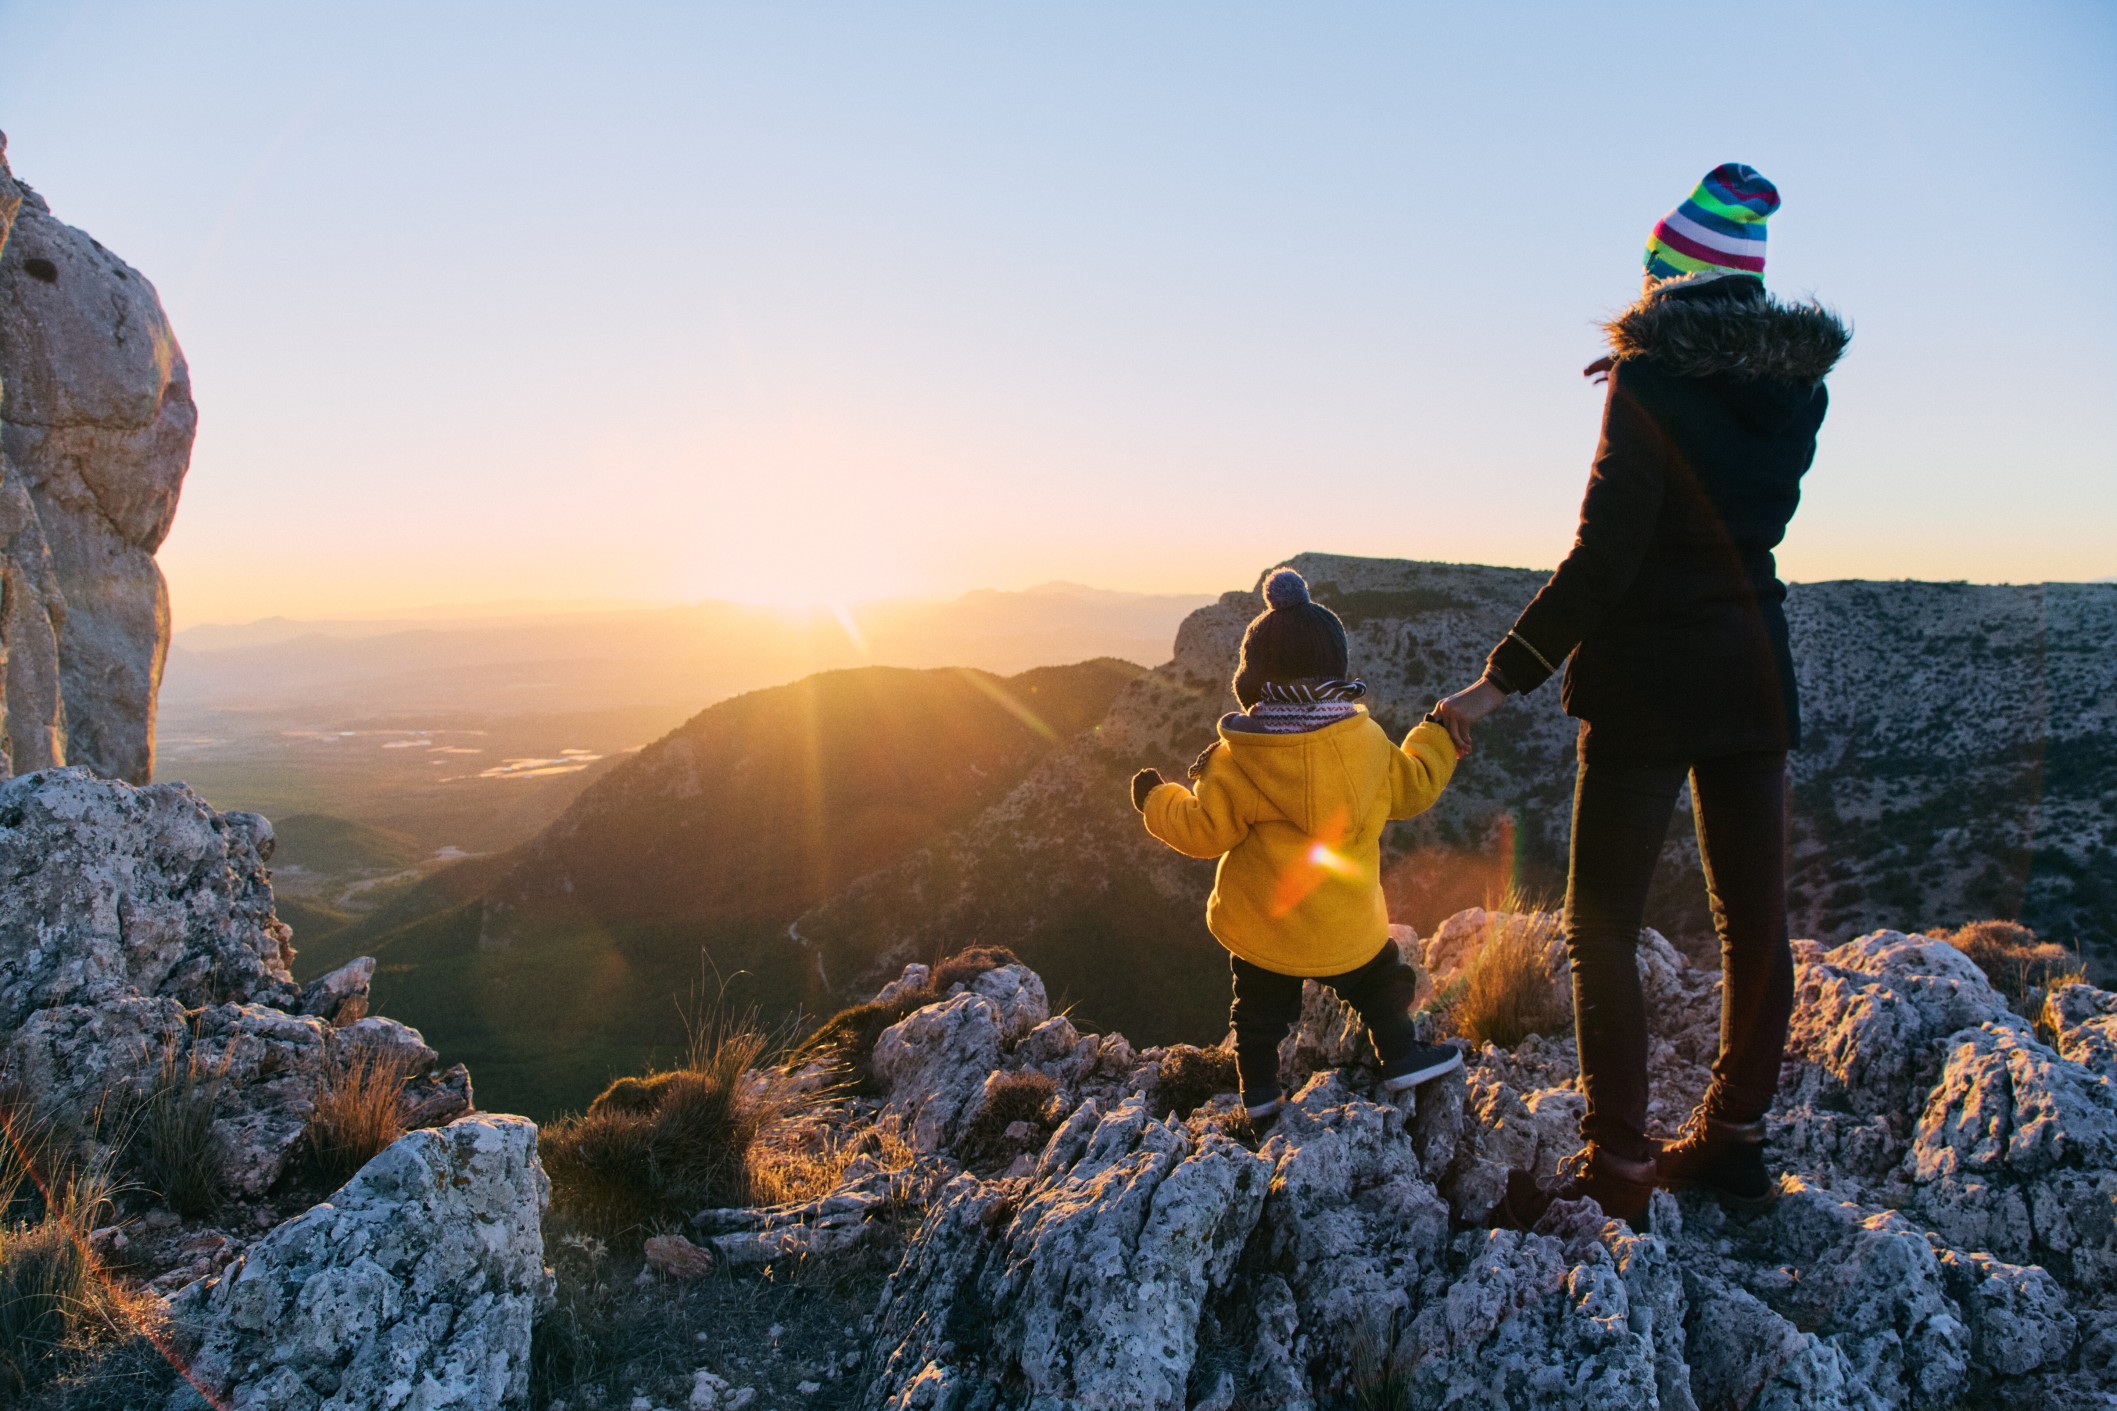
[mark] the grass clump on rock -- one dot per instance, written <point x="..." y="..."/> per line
<point x="1021" y="1096"/>
<point x="358" y="1110"/>
<point x="2020" y="967"/>
<point x="59" y="1310"/>
<point x="660" y="1148"/>
<point x="170" y="1146"/>
<point x="1192" y="1077"/>
<point x="1507" y="991"/>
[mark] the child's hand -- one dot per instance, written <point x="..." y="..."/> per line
<point x="1144" y="783"/>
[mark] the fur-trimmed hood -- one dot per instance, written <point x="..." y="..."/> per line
<point x="1699" y="328"/>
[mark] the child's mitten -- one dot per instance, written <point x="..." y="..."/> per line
<point x="1143" y="784"/>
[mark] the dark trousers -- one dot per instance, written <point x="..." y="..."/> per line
<point x="1267" y="1004"/>
<point x="1621" y="816"/>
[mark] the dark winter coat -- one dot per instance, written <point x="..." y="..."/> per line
<point x="1670" y="602"/>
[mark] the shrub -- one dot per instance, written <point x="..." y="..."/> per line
<point x="1021" y="1096"/>
<point x="1191" y="1077"/>
<point x="1507" y="992"/>
<point x="966" y="965"/>
<point x="2019" y="966"/>
<point x="662" y="1147"/>
<point x="169" y="1143"/>
<point x="358" y="1111"/>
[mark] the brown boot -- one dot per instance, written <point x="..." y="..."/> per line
<point x="1726" y="1158"/>
<point x="1619" y="1186"/>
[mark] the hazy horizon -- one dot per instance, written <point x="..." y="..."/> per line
<point x="763" y="303"/>
<point x="473" y="611"/>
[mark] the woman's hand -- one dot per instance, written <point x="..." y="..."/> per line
<point x="1466" y="708"/>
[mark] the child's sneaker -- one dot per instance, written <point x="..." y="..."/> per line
<point x="1422" y="1064"/>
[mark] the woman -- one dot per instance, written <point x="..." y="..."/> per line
<point x="1669" y="606"/>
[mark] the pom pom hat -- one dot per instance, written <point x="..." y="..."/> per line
<point x="1720" y="229"/>
<point x="1293" y="639"/>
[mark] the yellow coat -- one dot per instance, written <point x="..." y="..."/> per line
<point x="1296" y="821"/>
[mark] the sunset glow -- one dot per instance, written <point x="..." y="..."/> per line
<point x="829" y="338"/>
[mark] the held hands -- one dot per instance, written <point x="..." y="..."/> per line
<point x="1466" y="708"/>
<point x="1143" y="784"/>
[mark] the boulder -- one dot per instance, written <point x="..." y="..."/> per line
<point x="109" y="891"/>
<point x="415" y="1285"/>
<point x="96" y="422"/>
<point x="136" y="931"/>
<point x="341" y="996"/>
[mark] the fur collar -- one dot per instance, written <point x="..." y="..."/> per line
<point x="1697" y="327"/>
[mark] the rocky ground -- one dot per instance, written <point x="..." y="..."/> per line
<point x="1022" y="1213"/>
<point x="1944" y="1235"/>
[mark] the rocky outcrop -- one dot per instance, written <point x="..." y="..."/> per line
<point x="417" y="1284"/>
<point x="1942" y="1237"/>
<point x="96" y="421"/>
<point x="136" y="931"/>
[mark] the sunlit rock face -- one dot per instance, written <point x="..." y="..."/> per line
<point x="417" y="1284"/>
<point x="96" y="421"/>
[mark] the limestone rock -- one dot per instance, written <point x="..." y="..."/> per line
<point x="416" y="1285"/>
<point x="108" y="890"/>
<point x="934" y="1062"/>
<point x="96" y="422"/>
<point x="1534" y="1320"/>
<point x="2085" y="1020"/>
<point x="1085" y="1287"/>
<point x="341" y="996"/>
<point x="1942" y="1236"/>
<point x="136" y="928"/>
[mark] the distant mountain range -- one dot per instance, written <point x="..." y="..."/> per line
<point x="467" y="734"/>
<point x="676" y="656"/>
<point x="1961" y="762"/>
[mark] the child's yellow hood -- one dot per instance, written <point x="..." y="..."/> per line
<point x="1320" y="780"/>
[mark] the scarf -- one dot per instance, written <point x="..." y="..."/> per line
<point x="1291" y="707"/>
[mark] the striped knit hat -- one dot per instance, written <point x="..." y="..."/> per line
<point x="1720" y="228"/>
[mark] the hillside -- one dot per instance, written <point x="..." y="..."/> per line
<point x="668" y="885"/>
<point x="1960" y="763"/>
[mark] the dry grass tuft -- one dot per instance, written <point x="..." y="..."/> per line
<point x="663" y="1147"/>
<point x="2020" y="967"/>
<point x="1507" y="992"/>
<point x="58" y="1308"/>
<point x="1192" y="1077"/>
<point x="359" y="1110"/>
<point x="170" y="1146"/>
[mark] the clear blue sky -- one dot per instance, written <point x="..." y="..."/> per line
<point x="788" y="300"/>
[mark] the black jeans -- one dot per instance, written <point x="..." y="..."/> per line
<point x="1267" y="1004"/>
<point x="1621" y="816"/>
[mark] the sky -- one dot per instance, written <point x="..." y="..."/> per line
<point x="794" y="302"/>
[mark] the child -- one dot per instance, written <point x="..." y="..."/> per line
<point x="1292" y="800"/>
